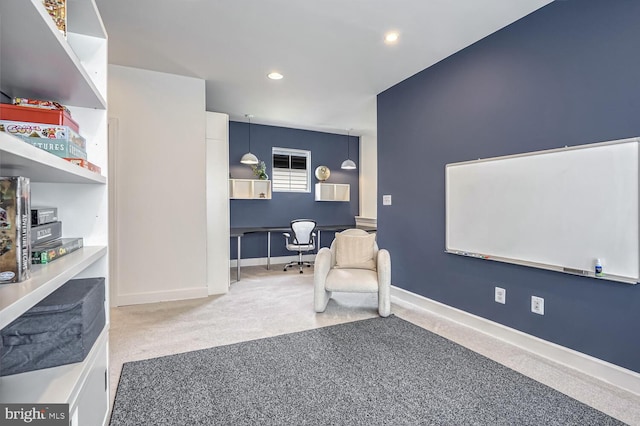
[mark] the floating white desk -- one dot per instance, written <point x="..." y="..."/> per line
<point x="238" y="233"/>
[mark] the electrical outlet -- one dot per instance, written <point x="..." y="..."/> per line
<point x="501" y="295"/>
<point x="537" y="305"/>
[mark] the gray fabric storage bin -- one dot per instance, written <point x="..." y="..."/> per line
<point x="61" y="329"/>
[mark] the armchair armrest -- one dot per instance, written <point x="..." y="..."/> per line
<point x="384" y="282"/>
<point x="321" y="269"/>
<point x="383" y="265"/>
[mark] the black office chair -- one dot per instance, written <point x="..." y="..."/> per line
<point x="302" y="238"/>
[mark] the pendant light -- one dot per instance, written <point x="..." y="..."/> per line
<point x="348" y="164"/>
<point x="249" y="158"/>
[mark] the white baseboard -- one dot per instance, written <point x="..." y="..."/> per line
<point x="161" y="296"/>
<point x="279" y="260"/>
<point x="586" y="364"/>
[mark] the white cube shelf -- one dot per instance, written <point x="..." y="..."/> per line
<point x="249" y="189"/>
<point x="333" y="192"/>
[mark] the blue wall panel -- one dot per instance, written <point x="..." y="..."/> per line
<point x="326" y="149"/>
<point x="564" y="75"/>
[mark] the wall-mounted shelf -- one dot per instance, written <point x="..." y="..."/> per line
<point x="333" y="192"/>
<point x="249" y="189"/>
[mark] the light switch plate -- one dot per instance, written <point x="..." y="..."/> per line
<point x="386" y="200"/>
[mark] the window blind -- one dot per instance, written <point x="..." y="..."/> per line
<point x="291" y="170"/>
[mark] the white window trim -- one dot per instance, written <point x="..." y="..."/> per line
<point x="289" y="152"/>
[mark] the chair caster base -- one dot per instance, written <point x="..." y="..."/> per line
<point x="297" y="265"/>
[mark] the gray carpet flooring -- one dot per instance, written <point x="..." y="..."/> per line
<point x="381" y="371"/>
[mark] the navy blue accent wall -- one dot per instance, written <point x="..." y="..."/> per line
<point x="568" y="74"/>
<point x="326" y="149"/>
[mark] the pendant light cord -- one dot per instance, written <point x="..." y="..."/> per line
<point x="249" y="119"/>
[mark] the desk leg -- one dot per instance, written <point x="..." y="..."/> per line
<point x="269" y="250"/>
<point x="238" y="260"/>
<point x="318" y="246"/>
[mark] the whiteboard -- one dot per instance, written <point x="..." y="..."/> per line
<point x="558" y="209"/>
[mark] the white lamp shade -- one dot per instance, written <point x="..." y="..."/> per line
<point x="348" y="165"/>
<point x="249" y="158"/>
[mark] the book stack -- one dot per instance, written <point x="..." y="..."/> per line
<point x="46" y="236"/>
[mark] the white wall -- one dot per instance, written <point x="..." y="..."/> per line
<point x="159" y="209"/>
<point x="368" y="176"/>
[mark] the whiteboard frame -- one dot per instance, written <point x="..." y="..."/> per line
<point x="556" y="268"/>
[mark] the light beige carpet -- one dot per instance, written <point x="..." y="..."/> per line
<point x="272" y="302"/>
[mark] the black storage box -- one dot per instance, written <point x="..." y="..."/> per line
<point x="61" y="329"/>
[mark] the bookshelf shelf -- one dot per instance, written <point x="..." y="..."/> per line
<point x="17" y="298"/>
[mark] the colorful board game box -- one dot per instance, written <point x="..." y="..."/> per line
<point x="55" y="249"/>
<point x="52" y="132"/>
<point x="58" y="11"/>
<point x="15" y="229"/>
<point x="84" y="164"/>
<point x="30" y="114"/>
<point x="59" y="147"/>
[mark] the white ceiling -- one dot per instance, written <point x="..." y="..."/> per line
<point x="331" y="52"/>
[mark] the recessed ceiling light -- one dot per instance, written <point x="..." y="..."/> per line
<point x="391" y="37"/>
<point x="275" y="75"/>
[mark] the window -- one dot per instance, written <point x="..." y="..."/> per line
<point x="291" y="170"/>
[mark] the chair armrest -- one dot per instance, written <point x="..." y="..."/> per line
<point x="286" y="234"/>
<point x="384" y="283"/>
<point x="383" y="265"/>
<point x="321" y="267"/>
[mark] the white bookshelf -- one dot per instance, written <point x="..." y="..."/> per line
<point x="36" y="61"/>
<point x="70" y="383"/>
<point x="333" y="192"/>
<point x="52" y="70"/>
<point x="253" y="189"/>
<point x="17" y="298"/>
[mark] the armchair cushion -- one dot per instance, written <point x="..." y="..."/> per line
<point x="355" y="251"/>
<point x="352" y="280"/>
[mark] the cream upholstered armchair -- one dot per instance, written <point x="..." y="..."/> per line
<point x="354" y="263"/>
